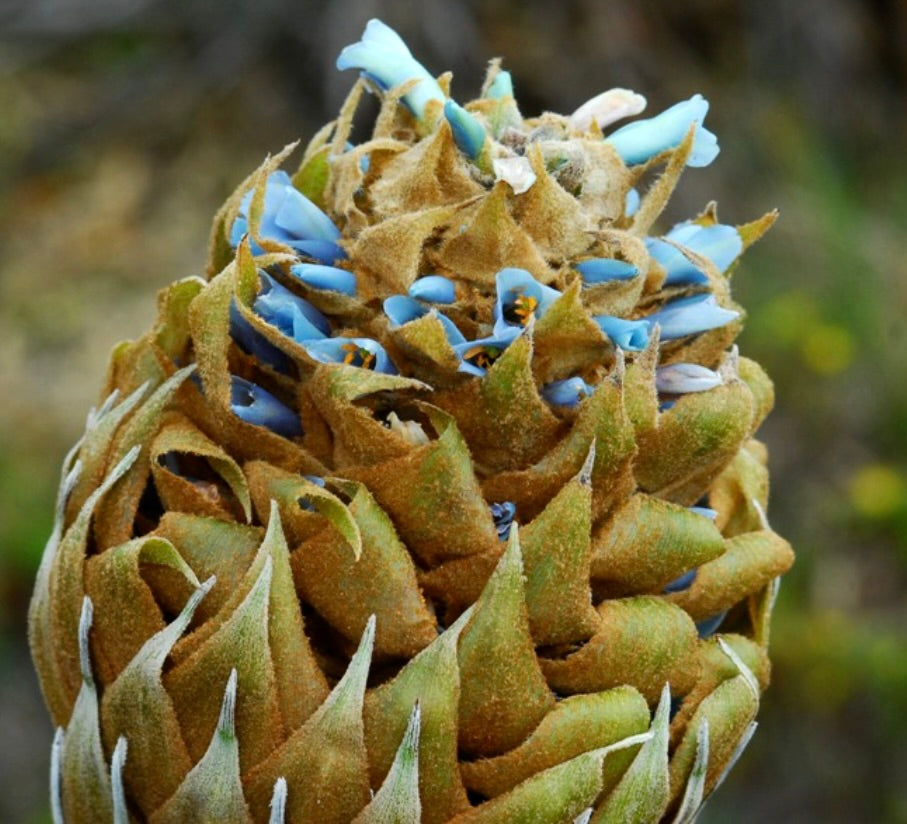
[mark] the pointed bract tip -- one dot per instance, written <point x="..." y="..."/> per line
<point x="226" y="723"/>
<point x="585" y="474"/>
<point x="56" y="776"/>
<point x="278" y="803"/>
<point x="117" y="762"/>
<point x="85" y="620"/>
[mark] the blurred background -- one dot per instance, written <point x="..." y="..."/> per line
<point x="125" y="123"/>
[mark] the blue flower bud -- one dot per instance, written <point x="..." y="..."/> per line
<point x="631" y="202"/>
<point x="677" y="267"/>
<point x="567" y="392"/>
<point x="641" y="140"/>
<point x="708" y="627"/>
<point x="719" y="243"/>
<point x="468" y="131"/>
<point x="290" y="218"/>
<point x="402" y="309"/>
<point x="433" y="289"/>
<point x="328" y="278"/>
<point x="256" y="344"/>
<point x="684" y="378"/>
<point x="631" y="335"/>
<point x="293" y="315"/>
<point x="255" y="405"/>
<point x="684" y="582"/>
<point x="599" y="270"/>
<point x="705" y="511"/>
<point x="501" y="86"/>
<point x="503" y="515"/>
<point x="385" y="58"/>
<point x="362" y="352"/>
<point x="690" y="316"/>
<point x="519" y="298"/>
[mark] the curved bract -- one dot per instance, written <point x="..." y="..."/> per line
<point x="438" y="501"/>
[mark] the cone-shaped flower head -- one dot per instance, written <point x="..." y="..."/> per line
<point x="462" y="449"/>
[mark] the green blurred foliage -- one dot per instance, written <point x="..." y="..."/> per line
<point x="124" y="123"/>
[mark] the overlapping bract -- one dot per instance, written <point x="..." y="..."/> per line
<point x="467" y="469"/>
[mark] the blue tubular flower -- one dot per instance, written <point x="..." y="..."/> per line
<point x="707" y="627"/>
<point x="293" y="315"/>
<point x="690" y="316"/>
<point x="362" y="352"/>
<point x="291" y="218"/>
<point x="567" y="392"/>
<point x="720" y="243"/>
<point x="641" y="140"/>
<point x="476" y="356"/>
<point x="520" y="297"/>
<point x="684" y="378"/>
<point x="384" y="57"/>
<point x="503" y="514"/>
<point x="678" y="268"/>
<point x="468" y="131"/>
<point x="598" y="270"/>
<point x="402" y="309"/>
<point x="433" y="289"/>
<point x="682" y="583"/>
<point x="631" y="335"/>
<point x="256" y="344"/>
<point x="328" y="278"/>
<point x="501" y="86"/>
<point x="631" y="203"/>
<point x="705" y="511"/>
<point x="257" y="406"/>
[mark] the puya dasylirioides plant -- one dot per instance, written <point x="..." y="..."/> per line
<point x="436" y="501"/>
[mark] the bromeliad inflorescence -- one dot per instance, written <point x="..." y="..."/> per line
<point x="462" y="449"/>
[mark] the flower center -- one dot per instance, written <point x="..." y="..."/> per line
<point x="482" y="356"/>
<point x="358" y="356"/>
<point x="521" y="309"/>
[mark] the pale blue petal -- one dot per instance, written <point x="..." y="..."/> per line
<point x="321" y="250"/>
<point x="256" y="344"/>
<point x="510" y="284"/>
<point x="402" y="309"/>
<point x="641" y="140"/>
<point x="599" y="270"/>
<point x="685" y="378"/>
<point x="567" y="392"/>
<point x="468" y="131"/>
<point x="720" y="243"/>
<point x="631" y="203"/>
<point x="678" y="267"/>
<point x="501" y="86"/>
<point x="385" y="58"/>
<point x="301" y="218"/>
<point x="293" y="315"/>
<point x="257" y="406"/>
<point x="328" y="278"/>
<point x="631" y="335"/>
<point x="690" y="316"/>
<point x="705" y="511"/>
<point x="336" y="350"/>
<point x="433" y="289"/>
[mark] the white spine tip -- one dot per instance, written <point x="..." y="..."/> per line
<point x="278" y="802"/>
